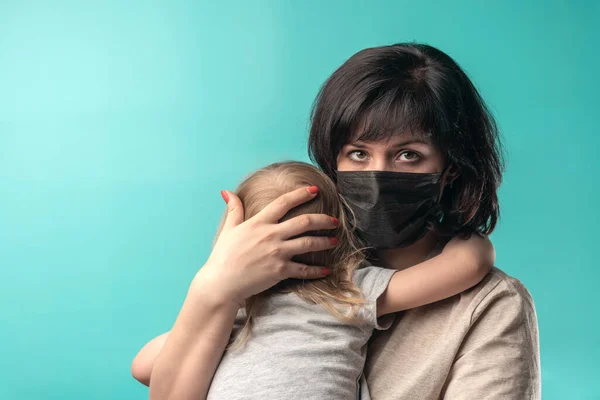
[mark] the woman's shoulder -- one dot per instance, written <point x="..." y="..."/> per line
<point x="497" y="290"/>
<point x="498" y="283"/>
<point x="494" y="319"/>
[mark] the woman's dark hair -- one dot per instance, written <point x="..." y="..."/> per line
<point x="408" y="87"/>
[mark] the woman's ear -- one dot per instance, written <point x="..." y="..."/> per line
<point x="450" y="175"/>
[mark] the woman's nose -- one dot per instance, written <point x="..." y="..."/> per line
<point x="381" y="164"/>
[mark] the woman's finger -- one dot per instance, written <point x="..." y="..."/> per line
<point x="235" y="209"/>
<point x="307" y="244"/>
<point x="304" y="223"/>
<point x="284" y="203"/>
<point x="303" y="271"/>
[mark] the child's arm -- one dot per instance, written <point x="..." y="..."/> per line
<point x="141" y="367"/>
<point x="461" y="265"/>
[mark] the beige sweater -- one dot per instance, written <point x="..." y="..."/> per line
<point x="480" y="344"/>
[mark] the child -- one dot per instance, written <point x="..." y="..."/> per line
<point x="308" y="339"/>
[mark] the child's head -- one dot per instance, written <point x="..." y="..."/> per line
<point x="337" y="292"/>
<point x="268" y="183"/>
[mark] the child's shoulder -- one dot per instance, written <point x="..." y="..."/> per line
<point x="371" y="279"/>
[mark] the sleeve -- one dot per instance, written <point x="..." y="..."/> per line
<point x="372" y="282"/>
<point x="499" y="356"/>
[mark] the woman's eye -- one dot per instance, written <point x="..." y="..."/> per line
<point x="357" y="155"/>
<point x="409" y="156"/>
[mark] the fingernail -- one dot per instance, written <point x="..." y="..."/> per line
<point x="313" y="190"/>
<point x="326" y="271"/>
<point x="333" y="240"/>
<point x="335" y="221"/>
<point x="225" y="196"/>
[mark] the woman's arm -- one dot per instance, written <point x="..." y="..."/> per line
<point x="461" y="265"/>
<point x="191" y="353"/>
<point x="247" y="258"/>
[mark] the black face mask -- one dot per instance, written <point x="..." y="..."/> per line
<point x="391" y="209"/>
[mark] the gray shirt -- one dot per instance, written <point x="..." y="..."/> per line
<point x="297" y="350"/>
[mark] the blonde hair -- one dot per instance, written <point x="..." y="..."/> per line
<point x="337" y="293"/>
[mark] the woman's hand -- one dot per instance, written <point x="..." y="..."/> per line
<point x="254" y="255"/>
<point x="248" y="257"/>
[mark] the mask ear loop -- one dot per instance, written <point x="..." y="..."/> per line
<point x="443" y="177"/>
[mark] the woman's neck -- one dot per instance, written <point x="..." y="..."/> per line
<point x="407" y="257"/>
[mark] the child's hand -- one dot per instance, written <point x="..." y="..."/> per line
<point x="477" y="251"/>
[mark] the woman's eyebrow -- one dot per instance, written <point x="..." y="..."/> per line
<point x="411" y="141"/>
<point x="360" y="145"/>
<point x="363" y="145"/>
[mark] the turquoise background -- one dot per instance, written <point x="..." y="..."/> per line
<point x="121" y="121"/>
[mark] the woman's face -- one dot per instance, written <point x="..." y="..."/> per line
<point x="402" y="153"/>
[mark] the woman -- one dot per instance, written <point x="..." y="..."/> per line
<point x="401" y="108"/>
